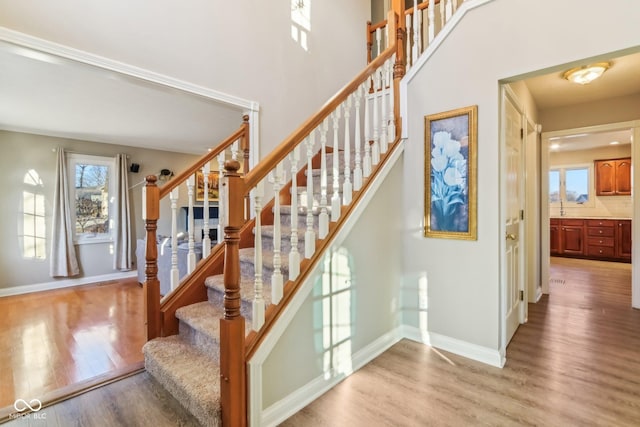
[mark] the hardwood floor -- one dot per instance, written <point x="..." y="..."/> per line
<point x="575" y="363"/>
<point x="55" y="340"/>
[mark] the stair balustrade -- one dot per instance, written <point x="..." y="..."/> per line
<point x="266" y="251"/>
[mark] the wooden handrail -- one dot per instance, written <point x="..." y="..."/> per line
<point x="180" y="178"/>
<point x="421" y="6"/>
<point x="280" y="153"/>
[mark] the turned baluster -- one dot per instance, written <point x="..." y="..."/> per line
<point x="335" y="170"/>
<point x="276" y="178"/>
<point x="416" y="32"/>
<point x="323" y="218"/>
<point x="294" y="255"/>
<point x="221" y="201"/>
<point x="258" y="300"/>
<point x="366" y="161"/>
<point x="432" y="20"/>
<point x="175" y="276"/>
<point x="191" y="258"/>
<point x="310" y="234"/>
<point x="409" y="41"/>
<point x="357" y="171"/>
<point x="448" y="10"/>
<point x="347" y="187"/>
<point x="206" y="241"/>
<point x="391" y="129"/>
<point x="375" y="148"/>
<point x="383" y="109"/>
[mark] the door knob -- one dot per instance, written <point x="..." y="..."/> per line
<point x="511" y="236"/>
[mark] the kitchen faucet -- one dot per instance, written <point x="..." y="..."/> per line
<point x="561" y="208"/>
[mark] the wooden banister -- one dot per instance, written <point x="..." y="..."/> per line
<point x="280" y="153"/>
<point x="421" y="6"/>
<point x="182" y="176"/>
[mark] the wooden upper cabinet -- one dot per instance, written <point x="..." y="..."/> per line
<point x="613" y="177"/>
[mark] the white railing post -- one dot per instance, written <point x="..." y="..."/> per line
<point x="258" y="300"/>
<point x="375" y="150"/>
<point x="378" y="41"/>
<point x="310" y="234"/>
<point x="442" y="14"/>
<point x="206" y="241"/>
<point x="323" y="219"/>
<point x="357" y="171"/>
<point x="391" y="137"/>
<point x="277" y="178"/>
<point x="335" y="169"/>
<point x="416" y="32"/>
<point x="175" y="276"/>
<point x="448" y="10"/>
<point x="221" y="203"/>
<point x="407" y="24"/>
<point x="294" y="255"/>
<point x="432" y="20"/>
<point x="366" y="164"/>
<point x="347" y="187"/>
<point x="383" y="108"/>
<point x="191" y="264"/>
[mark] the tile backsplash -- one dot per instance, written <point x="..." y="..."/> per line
<point x="605" y="206"/>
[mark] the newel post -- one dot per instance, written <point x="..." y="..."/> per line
<point x="151" y="289"/>
<point x="244" y="145"/>
<point x="399" y="68"/>
<point x="232" y="332"/>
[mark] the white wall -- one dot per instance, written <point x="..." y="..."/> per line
<point x="493" y="42"/>
<point x="243" y="48"/>
<point x="354" y="304"/>
<point x="22" y="152"/>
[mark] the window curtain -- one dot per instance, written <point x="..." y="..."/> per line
<point x="122" y="217"/>
<point x="64" y="262"/>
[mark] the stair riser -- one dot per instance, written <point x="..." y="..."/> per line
<point x="247" y="269"/>
<point x="206" y="344"/>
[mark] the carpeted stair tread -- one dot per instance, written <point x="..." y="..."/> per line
<point x="247" y="255"/>
<point x="247" y="285"/>
<point x="192" y="377"/>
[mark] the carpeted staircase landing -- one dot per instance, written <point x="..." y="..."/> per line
<point x="187" y="364"/>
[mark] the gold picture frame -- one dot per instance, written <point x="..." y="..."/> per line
<point x="214" y="186"/>
<point x="450" y="158"/>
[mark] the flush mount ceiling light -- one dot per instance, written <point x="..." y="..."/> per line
<point x="586" y="74"/>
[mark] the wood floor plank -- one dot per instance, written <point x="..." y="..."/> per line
<point x="575" y="363"/>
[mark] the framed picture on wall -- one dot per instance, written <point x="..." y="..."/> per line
<point x="214" y="184"/>
<point x="450" y="174"/>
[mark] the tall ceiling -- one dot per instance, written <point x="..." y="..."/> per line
<point x="46" y="94"/>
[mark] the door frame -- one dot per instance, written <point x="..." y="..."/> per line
<point x="507" y="93"/>
<point x="634" y="125"/>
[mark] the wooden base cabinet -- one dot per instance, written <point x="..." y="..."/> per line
<point x="600" y="239"/>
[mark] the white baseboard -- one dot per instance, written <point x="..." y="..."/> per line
<point x="65" y="283"/>
<point x="284" y="408"/>
<point x="466" y="349"/>
<point x="538" y="294"/>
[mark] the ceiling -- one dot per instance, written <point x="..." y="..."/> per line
<point x="49" y="95"/>
<point x="552" y="91"/>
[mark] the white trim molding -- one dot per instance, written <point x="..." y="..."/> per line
<point x="65" y="283"/>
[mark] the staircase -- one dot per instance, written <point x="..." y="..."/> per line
<point x="187" y="364"/>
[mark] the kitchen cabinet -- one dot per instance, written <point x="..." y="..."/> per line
<point x="613" y="177"/>
<point x="600" y="239"/>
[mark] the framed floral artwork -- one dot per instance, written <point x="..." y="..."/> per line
<point x="214" y="182"/>
<point x="450" y="205"/>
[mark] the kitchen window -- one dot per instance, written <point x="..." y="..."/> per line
<point x="571" y="185"/>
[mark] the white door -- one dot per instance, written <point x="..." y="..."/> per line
<point x="513" y="275"/>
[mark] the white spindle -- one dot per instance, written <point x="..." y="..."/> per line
<point x="366" y="161"/>
<point x="357" y="171"/>
<point x="191" y="264"/>
<point x="391" y="129"/>
<point x="175" y="276"/>
<point x="378" y="41"/>
<point x="375" y="149"/>
<point x="234" y="150"/>
<point x="448" y="10"/>
<point x="310" y="234"/>
<point x="383" y="108"/>
<point x="442" y="14"/>
<point x="455" y="5"/>
<point x="258" y="300"/>
<point x="206" y="241"/>
<point x="277" y="178"/>
<point x="323" y="219"/>
<point x="432" y="20"/>
<point x="408" y="47"/>
<point x="294" y="255"/>
<point x="347" y="187"/>
<point x="335" y="169"/>
<point x="416" y="33"/>
<point x="221" y="202"/>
